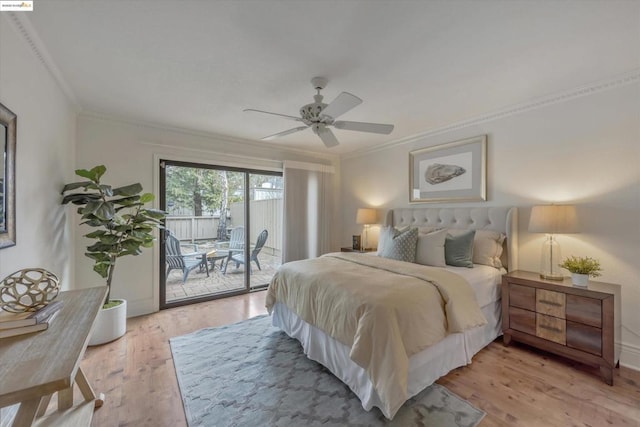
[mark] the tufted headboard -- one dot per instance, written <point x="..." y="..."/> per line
<point x="502" y="219"/>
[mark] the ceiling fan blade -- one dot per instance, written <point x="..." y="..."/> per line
<point x="343" y="103"/>
<point x="297" y="119"/>
<point x="286" y="132"/>
<point x="364" y="127"/>
<point x="327" y="137"/>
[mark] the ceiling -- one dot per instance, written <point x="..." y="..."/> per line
<point x="419" y="65"/>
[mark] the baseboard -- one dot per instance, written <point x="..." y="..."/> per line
<point x="140" y="307"/>
<point x="630" y="356"/>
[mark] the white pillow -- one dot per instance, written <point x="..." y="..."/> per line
<point x="487" y="246"/>
<point x="430" y="248"/>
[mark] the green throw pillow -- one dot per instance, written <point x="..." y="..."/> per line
<point x="458" y="250"/>
<point x="400" y="245"/>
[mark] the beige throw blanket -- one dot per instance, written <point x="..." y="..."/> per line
<point x="384" y="310"/>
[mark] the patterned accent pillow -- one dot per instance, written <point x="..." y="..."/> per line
<point x="400" y="245"/>
<point x="458" y="250"/>
<point x="387" y="232"/>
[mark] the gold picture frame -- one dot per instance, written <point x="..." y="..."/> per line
<point x="452" y="172"/>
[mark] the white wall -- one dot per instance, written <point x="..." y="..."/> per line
<point x="45" y="151"/>
<point x="44" y="159"/>
<point x="131" y="152"/>
<point x="584" y="151"/>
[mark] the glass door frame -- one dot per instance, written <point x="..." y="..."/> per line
<point x="247" y="235"/>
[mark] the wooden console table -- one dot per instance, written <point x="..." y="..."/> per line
<point x="35" y="366"/>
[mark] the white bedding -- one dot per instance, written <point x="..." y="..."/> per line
<point x="425" y="367"/>
<point x="484" y="280"/>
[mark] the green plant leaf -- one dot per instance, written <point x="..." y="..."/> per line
<point x="128" y="190"/>
<point x="99" y="246"/>
<point x="95" y="234"/>
<point x="155" y="213"/>
<point x="106" y="189"/>
<point x="80" y="198"/>
<point x="109" y="239"/>
<point x="147" y="197"/>
<point x="148" y="244"/>
<point x="102" y="210"/>
<point x="93" y="223"/>
<point x="101" y="268"/>
<point x="94" y="174"/>
<point x="98" y="256"/>
<point x="74" y="185"/>
<point x="131" y="245"/>
<point x="127" y="201"/>
<point x="125" y="253"/>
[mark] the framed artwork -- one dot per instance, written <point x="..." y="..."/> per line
<point x="452" y="172"/>
<point x="8" y="126"/>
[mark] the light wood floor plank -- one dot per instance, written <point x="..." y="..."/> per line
<point x="516" y="385"/>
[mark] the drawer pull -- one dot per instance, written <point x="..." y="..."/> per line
<point x="549" y="328"/>
<point x="556" y="304"/>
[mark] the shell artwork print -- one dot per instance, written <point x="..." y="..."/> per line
<point x="438" y="173"/>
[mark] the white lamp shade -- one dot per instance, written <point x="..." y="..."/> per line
<point x="366" y="216"/>
<point x="553" y="219"/>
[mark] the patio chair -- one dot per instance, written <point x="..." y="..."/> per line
<point x="234" y="245"/>
<point x="176" y="260"/>
<point x="238" y="258"/>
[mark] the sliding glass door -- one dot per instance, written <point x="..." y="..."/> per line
<point x="223" y="231"/>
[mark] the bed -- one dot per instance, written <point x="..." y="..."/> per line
<point x="388" y="387"/>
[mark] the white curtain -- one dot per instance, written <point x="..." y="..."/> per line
<point x="308" y="210"/>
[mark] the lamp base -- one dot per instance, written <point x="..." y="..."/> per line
<point x="558" y="277"/>
<point x="549" y="260"/>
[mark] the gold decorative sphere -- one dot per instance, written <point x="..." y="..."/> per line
<point x="28" y="290"/>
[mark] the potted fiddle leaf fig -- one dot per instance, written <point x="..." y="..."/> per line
<point x="122" y="226"/>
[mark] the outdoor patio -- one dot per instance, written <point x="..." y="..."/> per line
<point x="198" y="284"/>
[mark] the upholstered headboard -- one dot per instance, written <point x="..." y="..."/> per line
<point x="502" y="219"/>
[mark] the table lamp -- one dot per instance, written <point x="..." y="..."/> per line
<point x="552" y="219"/>
<point x="366" y="216"/>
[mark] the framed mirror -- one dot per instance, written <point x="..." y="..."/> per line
<point x="7" y="177"/>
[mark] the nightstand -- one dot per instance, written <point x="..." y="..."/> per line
<point x="582" y="324"/>
<point x="347" y="249"/>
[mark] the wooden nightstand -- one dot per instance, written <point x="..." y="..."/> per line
<point x="347" y="249"/>
<point x="582" y="324"/>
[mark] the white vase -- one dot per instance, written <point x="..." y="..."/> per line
<point x="110" y="324"/>
<point x="581" y="280"/>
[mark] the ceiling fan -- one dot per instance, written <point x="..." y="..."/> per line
<point x="319" y="116"/>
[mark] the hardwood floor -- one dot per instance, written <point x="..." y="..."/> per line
<point x="516" y="385"/>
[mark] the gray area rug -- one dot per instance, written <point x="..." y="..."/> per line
<point x="252" y="374"/>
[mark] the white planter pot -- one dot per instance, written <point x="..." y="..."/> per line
<point x="581" y="280"/>
<point x="111" y="324"/>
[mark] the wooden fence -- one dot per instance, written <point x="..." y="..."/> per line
<point x="265" y="215"/>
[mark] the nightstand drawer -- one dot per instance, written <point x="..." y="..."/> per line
<point x="584" y="337"/>
<point x="584" y="310"/>
<point x="522" y="320"/>
<point x="551" y="328"/>
<point x="522" y="296"/>
<point x="550" y="303"/>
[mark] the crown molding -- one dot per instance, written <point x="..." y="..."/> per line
<point x="209" y="135"/>
<point x="625" y="79"/>
<point x="24" y="28"/>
